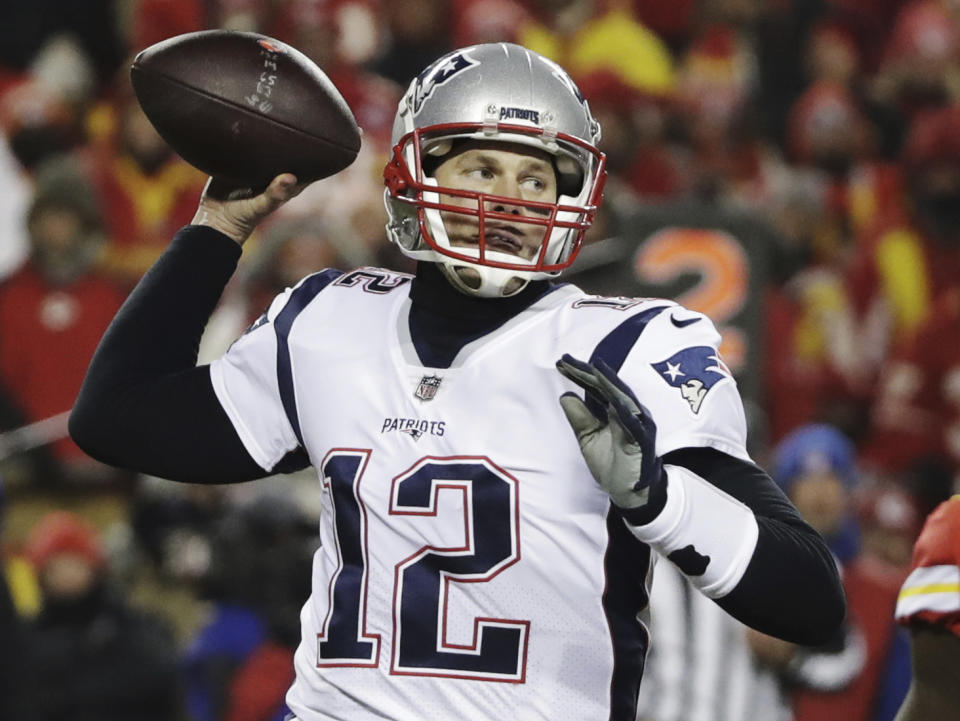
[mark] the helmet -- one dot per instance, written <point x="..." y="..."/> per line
<point x="504" y="93"/>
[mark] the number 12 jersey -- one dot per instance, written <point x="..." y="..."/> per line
<point x="470" y="567"/>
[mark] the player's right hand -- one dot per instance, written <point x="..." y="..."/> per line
<point x="617" y="436"/>
<point x="236" y="213"/>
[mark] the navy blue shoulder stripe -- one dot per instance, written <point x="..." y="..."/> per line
<point x="299" y="299"/>
<point x="615" y="346"/>
<point x="627" y="558"/>
<point x="625" y="566"/>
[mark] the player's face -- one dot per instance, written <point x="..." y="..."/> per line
<point x="67" y="575"/>
<point x="506" y="170"/>
<point x="822" y="501"/>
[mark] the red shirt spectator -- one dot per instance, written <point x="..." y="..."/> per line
<point x="889" y="524"/>
<point x="908" y="261"/>
<point x="50" y="334"/>
<point x="146" y="192"/>
<point x="917" y="412"/>
<point x="52" y="311"/>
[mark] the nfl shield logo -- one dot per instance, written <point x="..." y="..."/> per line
<point x="427" y="389"/>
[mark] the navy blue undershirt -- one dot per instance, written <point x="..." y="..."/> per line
<point x="443" y="320"/>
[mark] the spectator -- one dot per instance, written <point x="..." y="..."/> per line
<point x="916" y="415"/>
<point x="815" y="465"/>
<point x="904" y="263"/>
<point x="240" y="664"/>
<point x="732" y="162"/>
<point x="487" y="21"/>
<point x="827" y="130"/>
<point x="921" y="60"/>
<point x="644" y="164"/>
<point x="94" y="25"/>
<point x="145" y="191"/>
<point x="91" y="656"/>
<point x="36" y="124"/>
<point x="418" y="32"/>
<point x="585" y="37"/>
<point x="890" y="519"/>
<point x="55" y="308"/>
<point x="829" y="350"/>
<point x="814" y="367"/>
<point x="818" y="468"/>
<point x="831" y="54"/>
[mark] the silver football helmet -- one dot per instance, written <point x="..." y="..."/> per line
<point x="496" y="92"/>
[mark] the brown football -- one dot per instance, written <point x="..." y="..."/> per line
<point x="243" y="107"/>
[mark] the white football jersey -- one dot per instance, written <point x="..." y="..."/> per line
<point x="470" y="567"/>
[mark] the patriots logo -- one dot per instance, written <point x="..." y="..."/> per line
<point x="437" y="74"/>
<point x="694" y="371"/>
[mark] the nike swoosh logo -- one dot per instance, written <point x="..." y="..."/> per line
<point x="683" y="323"/>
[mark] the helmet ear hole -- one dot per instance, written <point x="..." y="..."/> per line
<point x="514" y="285"/>
<point x="434" y="155"/>
<point x="430" y="163"/>
<point x="569" y="176"/>
<point x="469" y="276"/>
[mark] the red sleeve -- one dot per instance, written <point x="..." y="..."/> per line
<point x="931" y="593"/>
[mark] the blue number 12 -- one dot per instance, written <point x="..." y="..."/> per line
<point x="421" y="581"/>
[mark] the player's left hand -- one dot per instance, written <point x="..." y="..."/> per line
<point x="617" y="436"/>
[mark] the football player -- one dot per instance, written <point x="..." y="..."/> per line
<point x="501" y="458"/>
<point x="929" y="605"/>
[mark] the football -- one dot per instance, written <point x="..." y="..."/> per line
<point x="243" y="107"/>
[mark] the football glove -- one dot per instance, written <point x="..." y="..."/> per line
<point x="617" y="436"/>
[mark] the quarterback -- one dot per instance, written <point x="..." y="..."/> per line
<point x="501" y="458"/>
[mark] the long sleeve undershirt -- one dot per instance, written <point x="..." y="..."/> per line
<point x="146" y="406"/>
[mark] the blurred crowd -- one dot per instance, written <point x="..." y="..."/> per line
<point x="790" y="167"/>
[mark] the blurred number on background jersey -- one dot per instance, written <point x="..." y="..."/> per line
<point x="724" y="274"/>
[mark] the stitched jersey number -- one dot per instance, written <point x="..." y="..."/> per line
<point x="422" y="581"/>
<point x="343" y="640"/>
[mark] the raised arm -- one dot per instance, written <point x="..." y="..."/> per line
<point x="144" y="403"/>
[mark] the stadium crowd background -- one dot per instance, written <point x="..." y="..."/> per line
<point x="789" y="167"/>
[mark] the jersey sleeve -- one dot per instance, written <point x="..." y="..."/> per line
<point x="246" y="382"/>
<point x="676" y="371"/>
<point x="931" y="593"/>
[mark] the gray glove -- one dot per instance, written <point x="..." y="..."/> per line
<point x="617" y="436"/>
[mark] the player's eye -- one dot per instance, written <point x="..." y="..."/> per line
<point x="533" y="184"/>
<point x="480" y="173"/>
